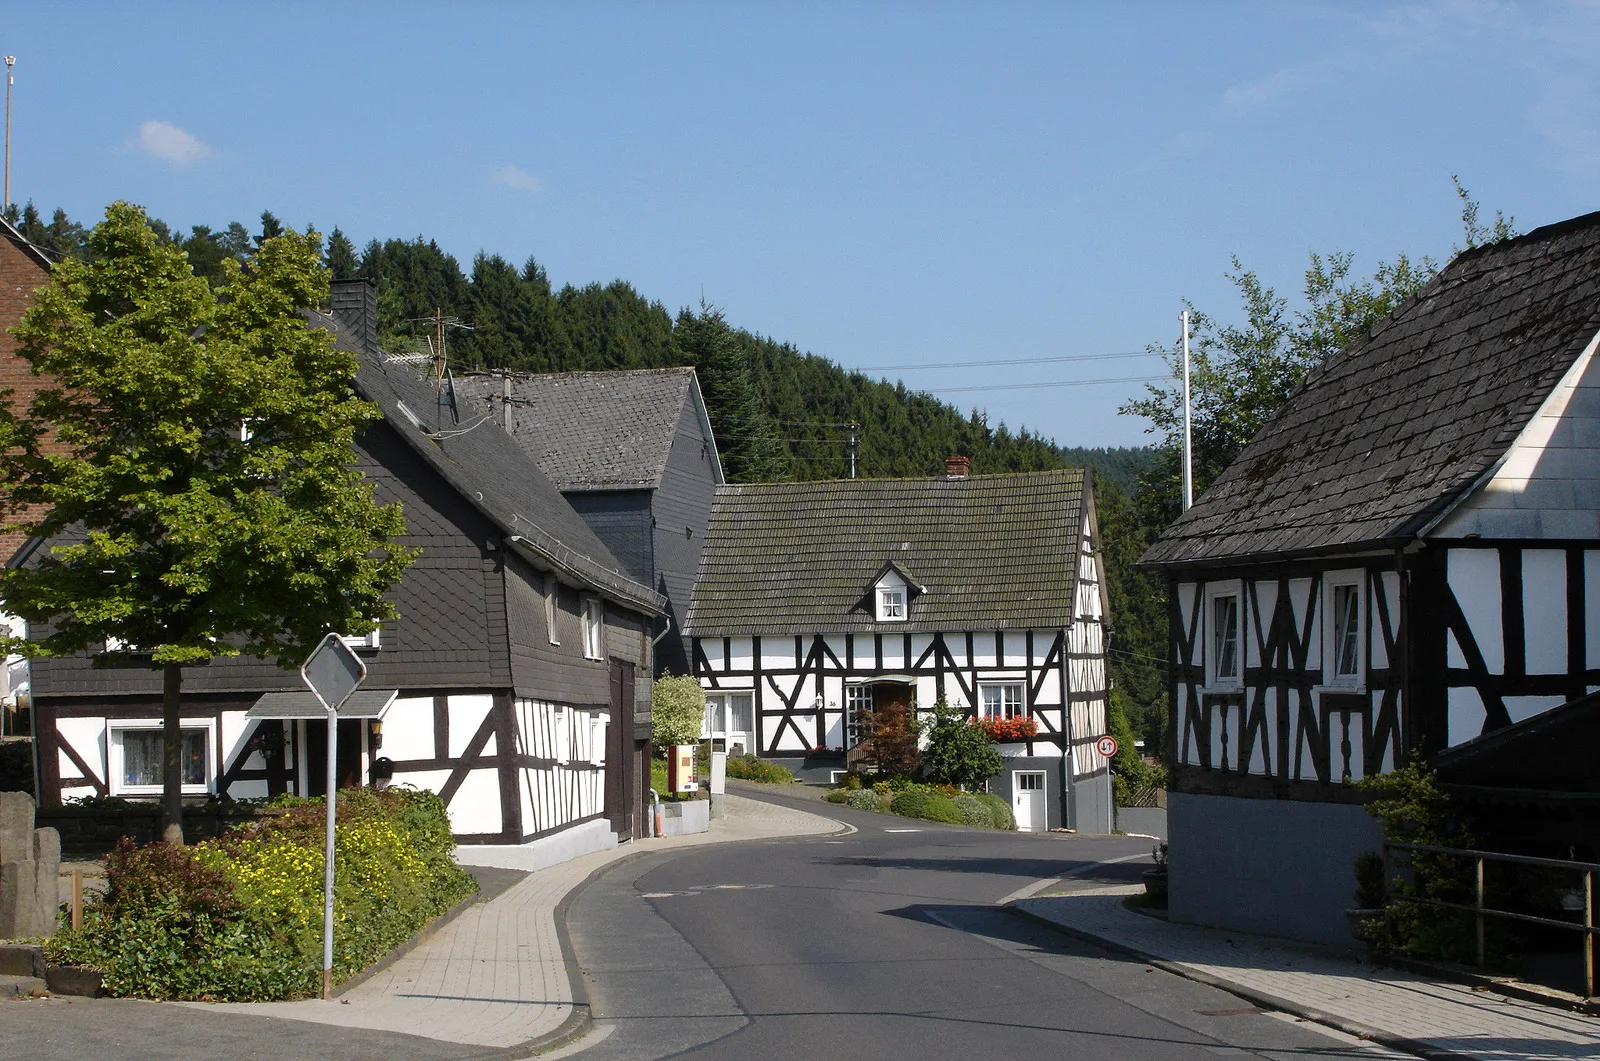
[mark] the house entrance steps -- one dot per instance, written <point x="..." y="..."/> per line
<point x="497" y="975"/>
<point x="1399" y="1009"/>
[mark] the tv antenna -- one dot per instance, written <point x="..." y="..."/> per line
<point x="436" y="344"/>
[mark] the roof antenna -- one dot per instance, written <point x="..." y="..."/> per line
<point x="11" y="60"/>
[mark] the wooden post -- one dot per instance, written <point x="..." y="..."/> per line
<point x="1482" y="956"/>
<point x="1588" y="933"/>
<point x="77" y="899"/>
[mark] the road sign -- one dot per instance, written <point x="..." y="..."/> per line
<point x="332" y="672"/>
<point x="1106" y="746"/>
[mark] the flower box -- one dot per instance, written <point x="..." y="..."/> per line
<point x="1009" y="730"/>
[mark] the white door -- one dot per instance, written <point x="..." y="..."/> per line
<point x="730" y="723"/>
<point x="1028" y="795"/>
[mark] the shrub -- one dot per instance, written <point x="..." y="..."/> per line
<point x="1000" y="810"/>
<point x="891" y="740"/>
<point x="677" y="710"/>
<point x="838" y="795"/>
<point x="751" y="768"/>
<point x="883" y="788"/>
<point x="864" y="799"/>
<point x="239" y="918"/>
<point x="927" y="804"/>
<point x="1369" y="881"/>
<point x="958" y="751"/>
<point x="974" y="811"/>
<point x="852" y="781"/>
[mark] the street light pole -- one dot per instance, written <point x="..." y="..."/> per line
<point x="11" y="60"/>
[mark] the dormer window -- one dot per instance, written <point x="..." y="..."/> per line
<point x="891" y="594"/>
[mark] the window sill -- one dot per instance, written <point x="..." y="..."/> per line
<point x="155" y="791"/>
<point x="1352" y="688"/>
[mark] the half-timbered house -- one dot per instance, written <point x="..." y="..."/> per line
<point x="1404" y="559"/>
<point x="817" y="602"/>
<point x="634" y="455"/>
<point x="514" y="682"/>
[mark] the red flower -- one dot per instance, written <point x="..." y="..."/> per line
<point x="1009" y="730"/>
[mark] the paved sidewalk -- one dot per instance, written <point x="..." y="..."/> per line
<point x="1397" y="1008"/>
<point x="496" y="975"/>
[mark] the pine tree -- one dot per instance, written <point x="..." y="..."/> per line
<point x="752" y="451"/>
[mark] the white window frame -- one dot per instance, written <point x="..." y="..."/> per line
<point x="594" y="627"/>
<point x="1216" y="591"/>
<point x="115" y="728"/>
<point x="891" y="599"/>
<point x="724" y="706"/>
<point x="552" y="610"/>
<point x="1022" y="699"/>
<point x="1332" y="581"/>
<point x="858" y="699"/>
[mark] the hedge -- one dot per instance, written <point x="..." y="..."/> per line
<point x="239" y="918"/>
<point x="750" y="768"/>
<point x="928" y="804"/>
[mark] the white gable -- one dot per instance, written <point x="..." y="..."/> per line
<point x="1548" y="484"/>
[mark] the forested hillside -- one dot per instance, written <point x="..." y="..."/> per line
<point x="778" y="412"/>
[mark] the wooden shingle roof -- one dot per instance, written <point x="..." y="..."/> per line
<point x="990" y="552"/>
<point x="590" y="430"/>
<point x="1397" y="427"/>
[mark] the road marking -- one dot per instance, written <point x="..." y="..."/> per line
<point x="1081" y="870"/>
<point x="902" y="830"/>
<point x="1027" y="890"/>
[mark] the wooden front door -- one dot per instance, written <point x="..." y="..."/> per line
<point x="623" y="793"/>
<point x="347" y="756"/>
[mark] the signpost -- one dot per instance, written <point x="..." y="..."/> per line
<point x="332" y="672"/>
<point x="1106" y="746"/>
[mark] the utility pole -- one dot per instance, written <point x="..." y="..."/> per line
<point x="1188" y="438"/>
<point x="11" y="60"/>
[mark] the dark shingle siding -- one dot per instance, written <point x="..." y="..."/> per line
<point x="588" y="430"/>
<point x="996" y="551"/>
<point x="1397" y="426"/>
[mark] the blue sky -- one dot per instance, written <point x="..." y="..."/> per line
<point x="882" y="184"/>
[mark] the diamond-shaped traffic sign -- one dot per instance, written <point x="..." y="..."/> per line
<point x="333" y="671"/>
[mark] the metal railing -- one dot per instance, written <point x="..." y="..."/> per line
<point x="1481" y="911"/>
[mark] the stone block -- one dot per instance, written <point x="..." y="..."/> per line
<point x="17" y="959"/>
<point x="75" y="980"/>
<point x="47" y="879"/>
<point x="18" y="898"/>
<point x="16" y="826"/>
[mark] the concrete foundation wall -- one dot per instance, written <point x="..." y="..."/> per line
<point x="1146" y="821"/>
<point x="544" y="852"/>
<point x="681" y="819"/>
<point x="1274" y="867"/>
<point x="1094" y="802"/>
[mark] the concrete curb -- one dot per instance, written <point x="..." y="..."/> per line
<point x="1260" y="998"/>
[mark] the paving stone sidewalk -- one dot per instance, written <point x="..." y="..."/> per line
<point x="1397" y="1008"/>
<point x="496" y="975"/>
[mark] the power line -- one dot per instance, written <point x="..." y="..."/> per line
<point x="1008" y="361"/>
<point x="1034" y="386"/>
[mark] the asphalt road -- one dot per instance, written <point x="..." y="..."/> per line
<point x="886" y="944"/>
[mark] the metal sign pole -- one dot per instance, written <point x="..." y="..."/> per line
<point x="332" y="672"/>
<point x="327" y="861"/>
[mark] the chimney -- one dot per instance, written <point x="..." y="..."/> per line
<point x="957" y="467"/>
<point x="355" y="305"/>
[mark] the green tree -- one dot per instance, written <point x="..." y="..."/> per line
<point x="752" y="451"/>
<point x="958" y="751"/>
<point x="341" y="257"/>
<point x="677" y="710"/>
<point x="201" y="499"/>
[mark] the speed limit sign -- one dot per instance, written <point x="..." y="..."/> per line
<point x="1106" y="746"/>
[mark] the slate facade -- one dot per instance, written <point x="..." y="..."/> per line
<point x="501" y="703"/>
<point x="633" y="453"/>
<point x="1405" y="559"/>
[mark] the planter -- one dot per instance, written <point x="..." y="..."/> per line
<point x="1364" y="922"/>
<point x="1155" y="885"/>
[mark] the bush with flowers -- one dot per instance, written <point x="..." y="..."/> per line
<point x="239" y="918"/>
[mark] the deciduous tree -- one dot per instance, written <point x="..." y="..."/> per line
<point x="206" y="502"/>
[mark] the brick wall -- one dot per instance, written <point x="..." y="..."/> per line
<point x="21" y="274"/>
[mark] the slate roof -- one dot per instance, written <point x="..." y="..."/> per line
<point x="592" y="430"/>
<point x="1399" y="426"/>
<point x="490" y="471"/>
<point x="992" y="551"/>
